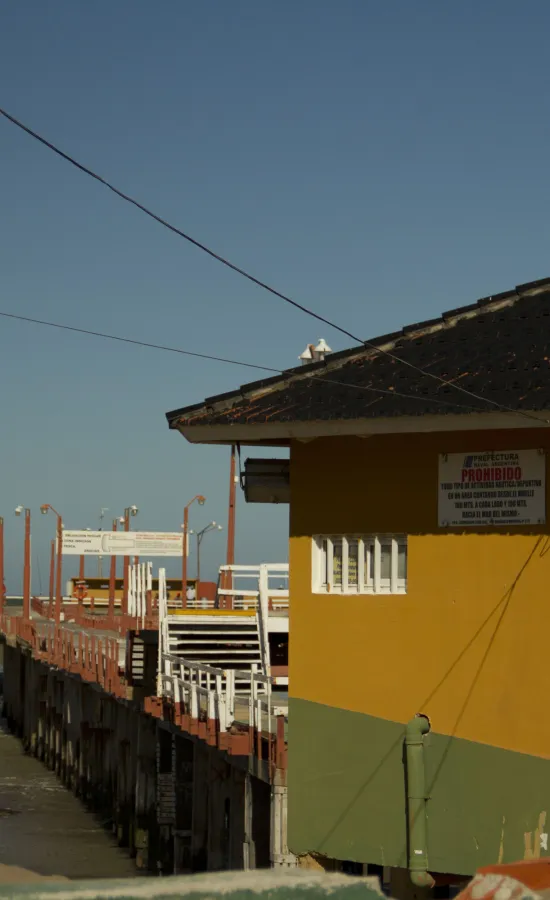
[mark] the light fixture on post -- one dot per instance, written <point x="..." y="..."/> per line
<point x="201" y="501"/>
<point x="129" y="511"/>
<point x="44" y="509"/>
<point x="212" y="526"/>
<point x="27" y="562"/>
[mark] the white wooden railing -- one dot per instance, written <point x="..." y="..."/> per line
<point x="226" y="696"/>
<point x="200" y="603"/>
<point x="140" y="584"/>
<point x="266" y="593"/>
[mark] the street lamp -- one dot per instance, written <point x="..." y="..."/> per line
<point x="102" y="512"/>
<point x="112" y="572"/>
<point x="212" y="526"/>
<point x="52" y="576"/>
<point x="44" y="509"/>
<point x="129" y="511"/>
<point x="2" y="585"/>
<point x="201" y="501"/>
<point x="27" y="562"/>
<point x="82" y="566"/>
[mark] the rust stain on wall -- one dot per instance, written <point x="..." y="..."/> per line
<point x="501" y="846"/>
<point x="533" y="842"/>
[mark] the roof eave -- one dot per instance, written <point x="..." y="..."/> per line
<point x="282" y="433"/>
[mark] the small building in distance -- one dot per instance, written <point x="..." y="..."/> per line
<point x="419" y="585"/>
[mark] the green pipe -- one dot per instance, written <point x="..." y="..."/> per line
<point x="416" y="801"/>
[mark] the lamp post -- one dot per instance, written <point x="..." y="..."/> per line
<point x="227" y="581"/>
<point x="212" y="526"/>
<point x="82" y="566"/>
<point x="80" y="584"/>
<point x="2" y="585"/>
<point x="27" y="562"/>
<point x="201" y="501"/>
<point x="102" y="512"/>
<point x="52" y="576"/>
<point x="112" y="575"/>
<point x="129" y="511"/>
<point x="44" y="509"/>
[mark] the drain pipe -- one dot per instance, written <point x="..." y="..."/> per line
<point x="416" y="801"/>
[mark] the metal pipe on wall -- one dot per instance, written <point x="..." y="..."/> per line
<point x="416" y="801"/>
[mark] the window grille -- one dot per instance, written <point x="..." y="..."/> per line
<point x="370" y="564"/>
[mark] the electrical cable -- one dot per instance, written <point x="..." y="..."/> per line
<point x="125" y="340"/>
<point x="234" y="362"/>
<point x="173" y="228"/>
<point x="257" y="281"/>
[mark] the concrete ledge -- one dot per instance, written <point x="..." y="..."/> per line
<point x="283" y="884"/>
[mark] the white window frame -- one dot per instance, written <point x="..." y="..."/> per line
<point x="369" y="578"/>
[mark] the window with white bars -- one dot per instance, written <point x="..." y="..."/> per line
<point x="370" y="564"/>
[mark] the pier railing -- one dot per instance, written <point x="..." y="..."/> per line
<point x="231" y="708"/>
<point x="269" y="587"/>
<point x="89" y="617"/>
<point x="95" y="659"/>
<point x="219" y="694"/>
<point x="240" y="587"/>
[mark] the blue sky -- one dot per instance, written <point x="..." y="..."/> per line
<point x="380" y="162"/>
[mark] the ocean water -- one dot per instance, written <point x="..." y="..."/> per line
<point x="45" y="828"/>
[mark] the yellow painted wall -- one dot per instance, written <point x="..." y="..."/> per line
<point x="469" y="644"/>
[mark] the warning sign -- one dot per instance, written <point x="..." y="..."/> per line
<point x="492" y="488"/>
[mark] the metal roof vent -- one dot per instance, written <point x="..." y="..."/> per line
<point x="307" y="355"/>
<point x="315" y="354"/>
<point x="322" y="349"/>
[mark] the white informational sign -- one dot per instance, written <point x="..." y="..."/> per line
<point x="501" y="487"/>
<point x="123" y="543"/>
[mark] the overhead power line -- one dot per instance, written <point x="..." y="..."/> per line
<point x="233" y="362"/>
<point x="174" y="228"/>
<point x="257" y="281"/>
<point x="126" y="340"/>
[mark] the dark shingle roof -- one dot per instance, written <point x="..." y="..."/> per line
<point x="498" y="348"/>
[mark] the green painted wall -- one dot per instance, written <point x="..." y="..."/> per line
<point x="347" y="793"/>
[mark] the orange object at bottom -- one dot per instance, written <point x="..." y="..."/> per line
<point x="513" y="881"/>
